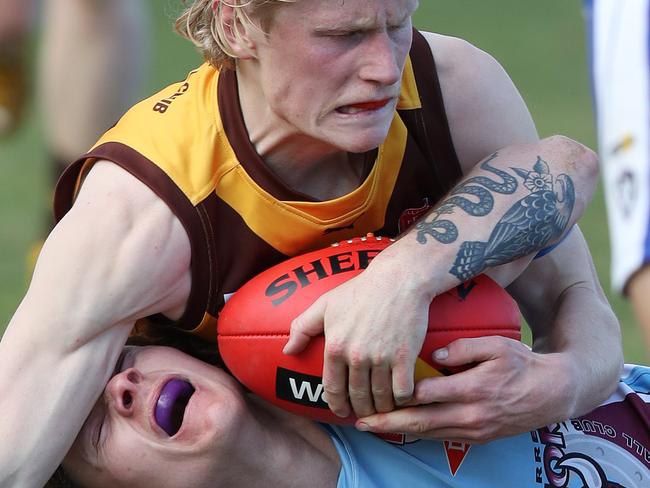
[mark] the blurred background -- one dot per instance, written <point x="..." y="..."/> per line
<point x="540" y="44"/>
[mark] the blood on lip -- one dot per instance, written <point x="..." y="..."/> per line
<point x="370" y="105"/>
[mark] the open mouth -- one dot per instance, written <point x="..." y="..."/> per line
<point x="171" y="404"/>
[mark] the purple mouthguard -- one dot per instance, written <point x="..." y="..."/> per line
<point x="171" y="404"/>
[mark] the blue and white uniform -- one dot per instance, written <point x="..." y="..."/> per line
<point x="620" y="61"/>
<point x="609" y="447"/>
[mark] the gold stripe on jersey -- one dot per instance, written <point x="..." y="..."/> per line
<point x="207" y="329"/>
<point x="195" y="151"/>
<point x="270" y="218"/>
<point x="179" y="111"/>
<point x="409" y="98"/>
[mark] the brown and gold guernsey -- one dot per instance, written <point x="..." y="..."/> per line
<point x="189" y="144"/>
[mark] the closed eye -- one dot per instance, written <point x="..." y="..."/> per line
<point x="97" y="437"/>
<point x="403" y="25"/>
<point x="347" y="33"/>
<point x="343" y="34"/>
<point x="101" y="416"/>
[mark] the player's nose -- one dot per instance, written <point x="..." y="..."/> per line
<point x="124" y="390"/>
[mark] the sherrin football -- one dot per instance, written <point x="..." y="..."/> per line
<point x="254" y="325"/>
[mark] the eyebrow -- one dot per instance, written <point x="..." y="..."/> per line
<point x="357" y="24"/>
<point x="90" y="452"/>
<point x="364" y="24"/>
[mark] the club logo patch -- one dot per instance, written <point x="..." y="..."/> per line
<point x="456" y="453"/>
<point x="411" y="215"/>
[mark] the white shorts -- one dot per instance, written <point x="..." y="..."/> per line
<point x="621" y="71"/>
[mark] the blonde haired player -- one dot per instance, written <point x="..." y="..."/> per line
<point x="337" y="119"/>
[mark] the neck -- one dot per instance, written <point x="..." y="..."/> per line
<point x="274" y="138"/>
<point x="288" y="451"/>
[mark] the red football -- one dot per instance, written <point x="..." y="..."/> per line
<point x="254" y="325"/>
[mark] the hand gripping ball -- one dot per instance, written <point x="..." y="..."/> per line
<point x="254" y="325"/>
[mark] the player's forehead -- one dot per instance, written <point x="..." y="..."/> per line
<point x="156" y="359"/>
<point x="360" y="14"/>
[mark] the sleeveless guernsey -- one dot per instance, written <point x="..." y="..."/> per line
<point x="189" y="144"/>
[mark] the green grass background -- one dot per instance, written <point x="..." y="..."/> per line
<point x="540" y="43"/>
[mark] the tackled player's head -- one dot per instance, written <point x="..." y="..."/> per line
<point x="169" y="420"/>
<point x="165" y="419"/>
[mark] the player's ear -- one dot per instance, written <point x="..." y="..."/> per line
<point x="240" y="35"/>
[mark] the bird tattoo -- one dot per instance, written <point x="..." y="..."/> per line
<point x="526" y="227"/>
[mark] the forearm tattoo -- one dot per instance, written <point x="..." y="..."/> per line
<point x="526" y="227"/>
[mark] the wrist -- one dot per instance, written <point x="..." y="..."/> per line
<point x="584" y="374"/>
<point x="572" y="385"/>
<point x="426" y="267"/>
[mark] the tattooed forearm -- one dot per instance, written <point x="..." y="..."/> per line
<point x="526" y="227"/>
<point x="476" y="186"/>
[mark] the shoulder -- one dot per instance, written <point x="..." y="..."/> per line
<point x="179" y="130"/>
<point x="469" y="77"/>
<point x="115" y="203"/>
<point x="108" y="182"/>
<point x="459" y="61"/>
<point x="478" y="93"/>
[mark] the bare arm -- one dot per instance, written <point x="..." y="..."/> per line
<point x="555" y="275"/>
<point x="117" y="256"/>
<point x="577" y="355"/>
<point x="366" y="352"/>
<point x="512" y="389"/>
<point x="116" y="50"/>
<point x="570" y="317"/>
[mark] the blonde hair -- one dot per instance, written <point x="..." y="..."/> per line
<point x="204" y="25"/>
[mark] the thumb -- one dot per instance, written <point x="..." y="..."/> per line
<point x="466" y="351"/>
<point x="305" y="326"/>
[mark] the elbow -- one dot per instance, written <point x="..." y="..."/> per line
<point x="576" y="160"/>
<point x="576" y="157"/>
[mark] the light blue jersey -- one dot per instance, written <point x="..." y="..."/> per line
<point x="610" y="447"/>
